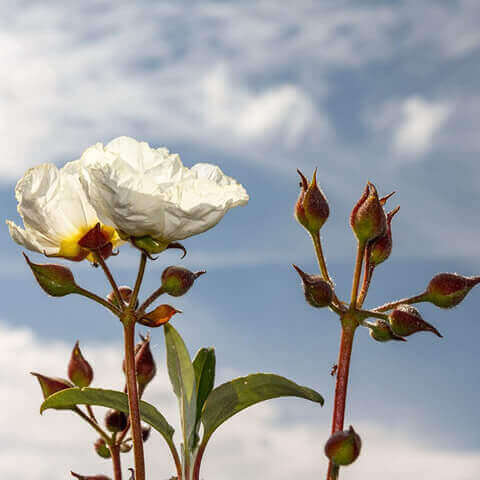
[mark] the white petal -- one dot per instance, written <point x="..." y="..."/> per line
<point x="31" y="239"/>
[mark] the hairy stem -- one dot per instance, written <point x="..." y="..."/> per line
<point x="396" y="303"/>
<point x="138" y="282"/>
<point x="356" y="274"/>
<point x="349" y="326"/>
<point x="149" y="301"/>
<point x="317" y="243"/>
<point x="117" y="466"/>
<point x="133" y="401"/>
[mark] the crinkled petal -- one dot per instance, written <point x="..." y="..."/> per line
<point x="31" y="239"/>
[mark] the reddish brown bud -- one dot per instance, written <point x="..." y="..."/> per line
<point x="406" y="320"/>
<point x="146" y="433"/>
<point x="311" y="209"/>
<point x="102" y="449"/>
<point x="51" y="385"/>
<point x="125" y="293"/>
<point x="160" y="316"/>
<point x="368" y="220"/>
<point x="115" y="421"/>
<point x="446" y="290"/>
<point x="89" y="477"/>
<point x="343" y="448"/>
<point x="125" y="447"/>
<point x="382" y="332"/>
<point x="56" y="280"/>
<point x="144" y="365"/>
<point x="79" y="370"/>
<point x="176" y="281"/>
<point x="318" y="292"/>
<point x="380" y="248"/>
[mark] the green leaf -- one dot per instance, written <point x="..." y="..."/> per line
<point x="204" y="367"/>
<point x="182" y="376"/>
<point x="233" y="397"/>
<point x="111" y="399"/>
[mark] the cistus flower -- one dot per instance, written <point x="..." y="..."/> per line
<point x="145" y="192"/>
<point x="57" y="215"/>
<point x="406" y="320"/>
<point x="311" y="209"/>
<point x="80" y="372"/>
<point x="447" y="290"/>
<point x="343" y="447"/>
<point x="318" y="292"/>
<point x="368" y="219"/>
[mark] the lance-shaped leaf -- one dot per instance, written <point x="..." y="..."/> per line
<point x="182" y="377"/>
<point x="233" y="397"/>
<point x="110" y="399"/>
<point x="204" y="367"/>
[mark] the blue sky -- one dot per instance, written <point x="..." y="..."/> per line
<point x="379" y="91"/>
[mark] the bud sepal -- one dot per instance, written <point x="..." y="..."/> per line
<point x="343" y="447"/>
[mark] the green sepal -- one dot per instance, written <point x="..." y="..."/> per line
<point x="149" y="244"/>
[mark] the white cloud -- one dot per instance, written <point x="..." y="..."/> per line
<point x="420" y="121"/>
<point x="256" y="444"/>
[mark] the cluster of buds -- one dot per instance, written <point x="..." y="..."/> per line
<point x="394" y="321"/>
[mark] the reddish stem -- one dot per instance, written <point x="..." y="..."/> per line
<point x="117" y="468"/>
<point x="346" y="343"/>
<point x="198" y="461"/>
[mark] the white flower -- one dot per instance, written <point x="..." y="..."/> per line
<point x="55" y="212"/>
<point x="142" y="191"/>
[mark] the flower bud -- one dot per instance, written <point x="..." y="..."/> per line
<point x="144" y="365"/>
<point x="343" y="448"/>
<point x="80" y="371"/>
<point x="446" y="290"/>
<point x="368" y="220"/>
<point x="318" y="292"/>
<point x="56" y="280"/>
<point x="160" y="316"/>
<point x="51" y="385"/>
<point x="125" y="293"/>
<point x="176" y="281"/>
<point x="146" y="433"/>
<point x="406" y="320"/>
<point x="311" y="209"/>
<point x="382" y="332"/>
<point x="380" y="248"/>
<point x="115" y="421"/>
<point x="89" y="477"/>
<point x="102" y="449"/>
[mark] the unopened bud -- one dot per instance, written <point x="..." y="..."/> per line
<point x="125" y="293"/>
<point x="343" y="448"/>
<point x="160" y="316"/>
<point x="176" y="281"/>
<point x="102" y="449"/>
<point x="51" y="385"/>
<point x="380" y="248"/>
<point x="382" y="332"/>
<point x="368" y="220"/>
<point x="115" y="421"/>
<point x="144" y="365"/>
<point x="80" y="371"/>
<point x="311" y="209"/>
<point x="318" y="292"/>
<point x="446" y="290"/>
<point x="146" y="433"/>
<point x="56" y="280"/>
<point x="89" y="477"/>
<point x="406" y="320"/>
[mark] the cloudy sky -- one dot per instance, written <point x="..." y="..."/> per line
<point x="372" y="90"/>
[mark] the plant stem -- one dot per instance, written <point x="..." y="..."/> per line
<point x="138" y="282"/>
<point x="367" y="277"/>
<point x="349" y="325"/>
<point x="90" y="412"/>
<point x="149" y="301"/>
<point x="129" y="333"/>
<point x="198" y="461"/>
<point x="356" y="274"/>
<point x="99" y="259"/>
<point x="100" y="300"/>
<point x="392" y="305"/>
<point x="317" y="243"/>
<point x="117" y="466"/>
<point x="93" y="424"/>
